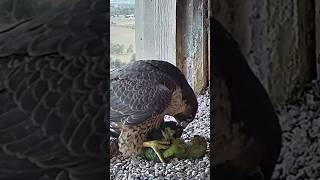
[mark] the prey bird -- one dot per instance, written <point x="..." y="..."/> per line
<point x="141" y="94"/>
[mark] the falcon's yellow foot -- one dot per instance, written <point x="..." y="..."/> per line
<point x="156" y="146"/>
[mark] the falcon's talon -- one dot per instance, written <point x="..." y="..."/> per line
<point x="156" y="145"/>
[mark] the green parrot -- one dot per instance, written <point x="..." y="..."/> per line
<point x="195" y="149"/>
<point x="167" y="131"/>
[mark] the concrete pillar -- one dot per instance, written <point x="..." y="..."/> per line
<point x="275" y="39"/>
<point x="155" y="30"/>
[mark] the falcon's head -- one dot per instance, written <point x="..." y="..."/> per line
<point x="190" y="102"/>
<point x="191" y="106"/>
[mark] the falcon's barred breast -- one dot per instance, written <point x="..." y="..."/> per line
<point x="142" y="93"/>
<point x="52" y="69"/>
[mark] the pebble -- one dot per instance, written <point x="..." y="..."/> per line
<point x="299" y="157"/>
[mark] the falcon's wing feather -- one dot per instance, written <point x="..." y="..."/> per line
<point x="53" y="31"/>
<point x="51" y="113"/>
<point x="138" y="95"/>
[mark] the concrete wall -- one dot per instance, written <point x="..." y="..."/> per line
<point x="276" y="38"/>
<point x="192" y="49"/>
<point x="174" y="31"/>
<point x="155" y="25"/>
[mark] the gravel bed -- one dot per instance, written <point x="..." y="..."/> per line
<point x="138" y="168"/>
<point x="300" y="121"/>
<point x="299" y="158"/>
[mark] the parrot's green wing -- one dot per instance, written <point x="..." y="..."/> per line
<point x="150" y="155"/>
<point x="177" y="149"/>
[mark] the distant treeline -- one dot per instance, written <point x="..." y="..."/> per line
<point x="126" y="9"/>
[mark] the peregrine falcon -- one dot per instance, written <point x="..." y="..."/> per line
<point x="246" y="129"/>
<point x="52" y="74"/>
<point x="142" y="93"/>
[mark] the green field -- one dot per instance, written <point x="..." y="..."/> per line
<point x="123" y="35"/>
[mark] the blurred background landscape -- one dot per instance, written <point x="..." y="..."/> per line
<point x="122" y="32"/>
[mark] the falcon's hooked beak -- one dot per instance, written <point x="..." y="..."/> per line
<point x="183" y="119"/>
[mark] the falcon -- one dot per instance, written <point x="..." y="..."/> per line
<point x="52" y="73"/>
<point x="246" y="129"/>
<point x="141" y="94"/>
